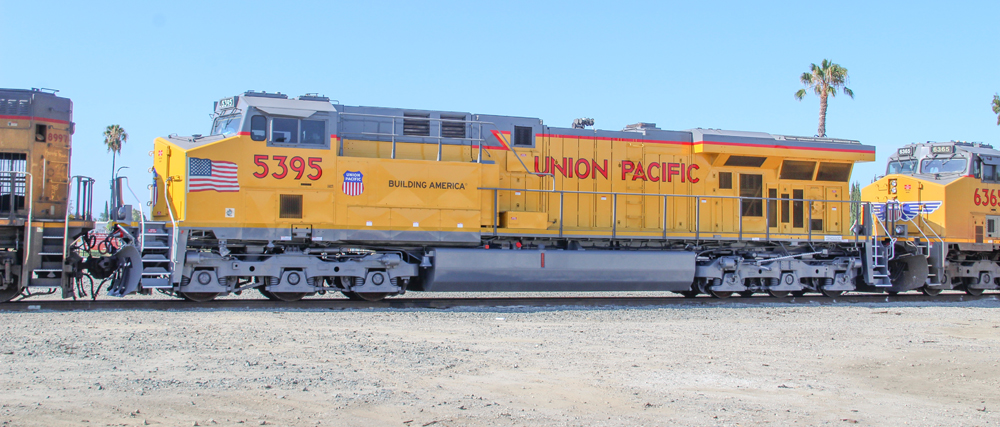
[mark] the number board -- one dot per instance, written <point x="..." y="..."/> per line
<point x="227" y="103"/>
<point x="905" y="151"/>
<point x="942" y="149"/>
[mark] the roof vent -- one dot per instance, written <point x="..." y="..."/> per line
<point x="582" y="123"/>
<point x="266" y="95"/>
<point x="314" y="97"/>
<point x="640" y="127"/>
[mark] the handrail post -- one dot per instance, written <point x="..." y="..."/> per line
<point x="697" y="219"/>
<point x="561" y="194"/>
<point x="810" y="225"/>
<point x="479" y="157"/>
<point x="663" y="221"/>
<point x="496" y="210"/>
<point x="740" y="209"/>
<point x="614" y="215"/>
<point x="394" y="138"/>
<point x="440" y="135"/>
<point x="767" y="229"/>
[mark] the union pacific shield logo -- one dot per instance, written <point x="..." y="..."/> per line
<point x="353" y="183"/>
<point x="904" y="211"/>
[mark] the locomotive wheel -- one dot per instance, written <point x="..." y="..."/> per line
<point x="10" y="293"/>
<point x="931" y="292"/>
<point x="720" y="294"/>
<point x="831" y="294"/>
<point x="199" y="296"/>
<point x="266" y="294"/>
<point x="974" y="291"/>
<point x="689" y="294"/>
<point x="288" y="296"/>
<point x="779" y="294"/>
<point x="365" y="296"/>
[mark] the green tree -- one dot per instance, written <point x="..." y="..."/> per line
<point x="996" y="107"/>
<point x="824" y="80"/>
<point x="114" y="138"/>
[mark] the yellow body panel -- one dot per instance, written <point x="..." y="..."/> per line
<point x="959" y="219"/>
<point x="416" y="192"/>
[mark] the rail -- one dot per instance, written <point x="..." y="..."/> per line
<point x="481" y="139"/>
<point x="698" y="200"/>
<point x="173" y="224"/>
<point x="84" y="195"/>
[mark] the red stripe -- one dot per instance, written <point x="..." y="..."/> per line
<point x="243" y="133"/>
<point x="212" y="189"/>
<point x="738" y="144"/>
<point x="496" y="134"/>
<point x="489" y="147"/>
<point x="37" y="119"/>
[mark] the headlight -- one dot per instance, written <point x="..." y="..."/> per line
<point x="900" y="230"/>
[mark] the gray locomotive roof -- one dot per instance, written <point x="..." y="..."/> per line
<point x="35" y="103"/>
<point x="287" y="107"/>
<point x="376" y="122"/>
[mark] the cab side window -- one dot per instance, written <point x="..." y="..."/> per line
<point x="258" y="128"/>
<point x="313" y="131"/>
<point x="989" y="173"/>
<point x="284" y="131"/>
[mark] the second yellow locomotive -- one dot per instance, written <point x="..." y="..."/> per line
<point x="937" y="211"/>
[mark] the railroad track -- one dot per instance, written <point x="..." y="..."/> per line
<point x="449" y="303"/>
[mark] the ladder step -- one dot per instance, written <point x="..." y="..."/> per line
<point x="47" y="270"/>
<point x="154" y="258"/>
<point x="45" y="283"/>
<point x="160" y="283"/>
<point x="154" y="271"/>
<point x="51" y="253"/>
<point x="59" y="237"/>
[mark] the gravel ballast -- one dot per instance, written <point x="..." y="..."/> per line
<point x="921" y="364"/>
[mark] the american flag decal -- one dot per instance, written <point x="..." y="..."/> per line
<point x="353" y="184"/>
<point x="212" y="175"/>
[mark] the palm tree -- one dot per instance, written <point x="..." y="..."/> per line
<point x="996" y="107"/>
<point x="114" y="137"/>
<point x="824" y="79"/>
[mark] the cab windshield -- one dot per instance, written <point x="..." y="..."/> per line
<point x="226" y="125"/>
<point x="901" y="167"/>
<point x="945" y="165"/>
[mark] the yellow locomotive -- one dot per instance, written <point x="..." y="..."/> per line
<point x="936" y="210"/>
<point x="38" y="217"/>
<point x="296" y="196"/>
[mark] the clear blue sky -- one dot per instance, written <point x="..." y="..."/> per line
<point x="920" y="70"/>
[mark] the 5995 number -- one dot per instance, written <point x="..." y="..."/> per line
<point x="296" y="165"/>
<point x="988" y="198"/>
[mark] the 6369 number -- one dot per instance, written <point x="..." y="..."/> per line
<point x="988" y="198"/>
<point x="296" y="164"/>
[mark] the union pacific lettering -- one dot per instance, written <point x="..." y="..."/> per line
<point x="588" y="168"/>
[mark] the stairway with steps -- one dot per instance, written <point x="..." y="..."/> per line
<point x="48" y="271"/>
<point x="156" y="267"/>
<point x="879" y="267"/>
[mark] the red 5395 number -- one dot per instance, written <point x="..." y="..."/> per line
<point x="295" y="167"/>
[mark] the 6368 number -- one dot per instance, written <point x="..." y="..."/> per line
<point x="988" y="198"/>
<point x="296" y="164"/>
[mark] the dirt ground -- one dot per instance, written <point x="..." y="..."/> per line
<point x="881" y="364"/>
